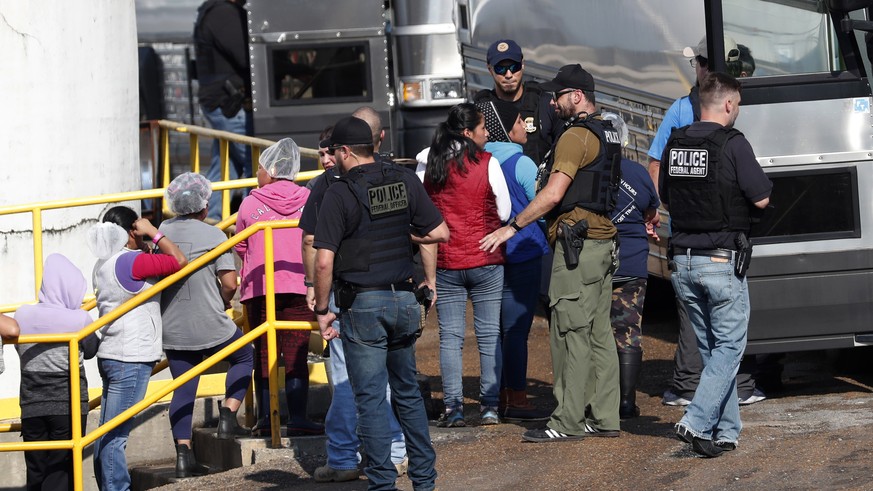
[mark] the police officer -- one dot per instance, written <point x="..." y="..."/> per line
<point x="579" y="194"/>
<point x="364" y="249"/>
<point x="712" y="183"/>
<point x="506" y="66"/>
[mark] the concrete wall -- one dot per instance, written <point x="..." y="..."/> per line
<point x="69" y="128"/>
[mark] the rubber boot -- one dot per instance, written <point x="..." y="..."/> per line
<point x="262" y="393"/>
<point x="629" y="363"/>
<point x="186" y="463"/>
<point x="518" y="408"/>
<point x="297" y="396"/>
<point x="228" y="426"/>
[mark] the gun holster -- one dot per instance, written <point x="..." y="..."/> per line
<point x="344" y="294"/>
<point x="744" y="255"/>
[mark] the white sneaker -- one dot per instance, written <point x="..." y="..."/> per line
<point x="757" y="396"/>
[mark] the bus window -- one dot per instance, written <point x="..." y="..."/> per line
<point x="787" y="37"/>
<point x="317" y="74"/>
<point x="810" y="205"/>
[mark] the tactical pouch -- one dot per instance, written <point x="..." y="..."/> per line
<point x="344" y="294"/>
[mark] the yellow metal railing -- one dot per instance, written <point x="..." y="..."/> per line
<point x="79" y="441"/>
<point x="36" y="210"/>
<point x="225" y="139"/>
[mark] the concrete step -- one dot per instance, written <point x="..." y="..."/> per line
<point x="222" y="455"/>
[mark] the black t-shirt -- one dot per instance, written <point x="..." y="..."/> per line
<point x="339" y="213"/>
<point x="221" y="45"/>
<point x="319" y="185"/>
<point x="741" y="167"/>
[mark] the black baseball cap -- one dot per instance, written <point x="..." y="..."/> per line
<point x="349" y="131"/>
<point x="570" y="77"/>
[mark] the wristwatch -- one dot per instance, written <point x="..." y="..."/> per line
<point x="323" y="311"/>
<point x="514" y="224"/>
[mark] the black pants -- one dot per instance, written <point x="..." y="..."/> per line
<point x="49" y="469"/>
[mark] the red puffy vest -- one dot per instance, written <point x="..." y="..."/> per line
<point x="468" y="206"/>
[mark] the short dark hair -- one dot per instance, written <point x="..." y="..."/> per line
<point x="121" y="216"/>
<point x="716" y="86"/>
<point x="362" y="150"/>
<point x="326" y="133"/>
<point x="589" y="95"/>
<point x="746" y="60"/>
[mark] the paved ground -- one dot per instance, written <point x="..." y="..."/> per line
<point x="816" y="433"/>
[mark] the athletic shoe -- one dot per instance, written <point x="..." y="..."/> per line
<point x="673" y="399"/>
<point x="591" y="431"/>
<point x="684" y="434"/>
<point x="452" y="419"/>
<point x="756" y="396"/>
<point x="488" y="416"/>
<point x="547" y="434"/>
<point x="726" y="446"/>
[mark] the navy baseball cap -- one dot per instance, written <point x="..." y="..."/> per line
<point x="504" y="49"/>
<point x="570" y="77"/>
<point x="349" y="131"/>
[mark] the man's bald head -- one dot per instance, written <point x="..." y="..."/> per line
<point x="371" y="116"/>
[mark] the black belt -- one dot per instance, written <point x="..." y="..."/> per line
<point x="722" y="253"/>
<point x="405" y="286"/>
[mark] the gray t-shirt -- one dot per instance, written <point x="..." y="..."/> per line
<point x="192" y="310"/>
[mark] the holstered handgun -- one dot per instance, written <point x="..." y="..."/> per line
<point x="573" y="237"/>
<point x="744" y="255"/>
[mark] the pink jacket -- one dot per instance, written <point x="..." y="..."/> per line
<point x="280" y="200"/>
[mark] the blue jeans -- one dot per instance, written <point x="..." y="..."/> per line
<point x="341" y="421"/>
<point x="717" y="303"/>
<point x="484" y="285"/>
<point x="124" y="384"/>
<point x="240" y="155"/>
<point x="521" y="290"/>
<point x="378" y="335"/>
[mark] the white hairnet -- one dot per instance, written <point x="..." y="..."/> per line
<point x="281" y="160"/>
<point x="188" y="193"/>
<point x="619" y="126"/>
<point x="105" y="239"/>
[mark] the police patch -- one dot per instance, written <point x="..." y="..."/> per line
<point x="529" y="125"/>
<point x="388" y="198"/>
<point x="687" y="162"/>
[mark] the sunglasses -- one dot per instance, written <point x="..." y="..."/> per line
<point x="562" y="92"/>
<point x="332" y="149"/>
<point x="502" y="69"/>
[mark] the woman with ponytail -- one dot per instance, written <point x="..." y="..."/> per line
<point x="467" y="185"/>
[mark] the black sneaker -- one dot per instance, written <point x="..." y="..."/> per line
<point x="726" y="446"/>
<point x="547" y="434"/>
<point x="684" y="434"/>
<point x="706" y="448"/>
<point x="591" y="431"/>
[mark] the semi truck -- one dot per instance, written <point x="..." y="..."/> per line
<point x="805" y="109"/>
<point x="313" y="63"/>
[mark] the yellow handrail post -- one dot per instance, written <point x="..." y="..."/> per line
<point x="256" y="159"/>
<point x="37" y="249"/>
<point x="165" y="150"/>
<point x="225" y="176"/>
<point x="76" y="413"/>
<point x="272" y="362"/>
<point x="194" y="150"/>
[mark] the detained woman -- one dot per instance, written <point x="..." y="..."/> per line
<point x="467" y="186"/>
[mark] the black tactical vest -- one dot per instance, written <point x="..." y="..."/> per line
<point x="529" y="109"/>
<point x="701" y="195"/>
<point x="595" y="186"/>
<point x="379" y="251"/>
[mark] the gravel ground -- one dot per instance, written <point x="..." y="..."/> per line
<point x="813" y="434"/>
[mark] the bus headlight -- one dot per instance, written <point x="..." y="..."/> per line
<point x="412" y="91"/>
<point x="445" y="89"/>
